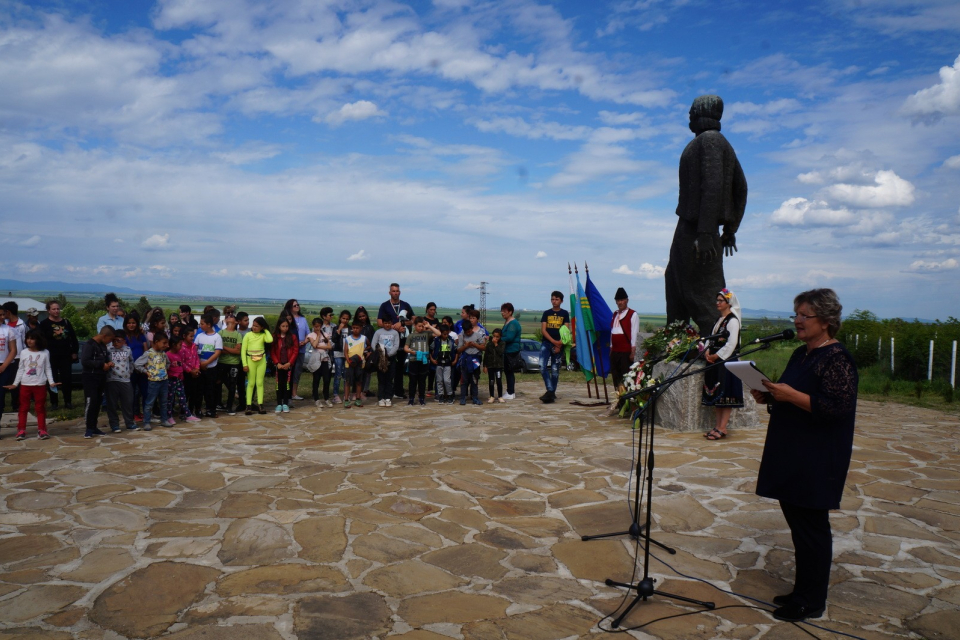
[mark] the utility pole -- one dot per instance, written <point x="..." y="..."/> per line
<point x="483" y="303"/>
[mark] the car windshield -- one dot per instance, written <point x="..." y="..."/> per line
<point x="530" y="346"/>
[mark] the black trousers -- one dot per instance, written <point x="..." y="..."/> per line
<point x="399" y="364"/>
<point x="210" y="379"/>
<point x="61" y="373"/>
<point x="620" y="363"/>
<point x="230" y="376"/>
<point x="93" y="390"/>
<point x="813" y="542"/>
<point x="323" y="373"/>
<point x="193" y="387"/>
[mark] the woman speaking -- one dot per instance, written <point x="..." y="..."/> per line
<point x="808" y="447"/>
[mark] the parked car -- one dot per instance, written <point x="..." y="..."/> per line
<point x="529" y="356"/>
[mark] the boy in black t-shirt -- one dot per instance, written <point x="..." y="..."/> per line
<point x="551" y="347"/>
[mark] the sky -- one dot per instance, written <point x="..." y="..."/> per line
<point x="323" y="149"/>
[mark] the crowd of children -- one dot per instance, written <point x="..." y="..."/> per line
<point x="150" y="370"/>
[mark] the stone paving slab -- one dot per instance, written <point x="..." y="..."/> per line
<point x="438" y="522"/>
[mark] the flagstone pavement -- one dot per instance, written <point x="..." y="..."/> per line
<point x="455" y="522"/>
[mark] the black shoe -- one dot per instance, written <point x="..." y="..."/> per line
<point x="410" y="402"/>
<point x="783" y="600"/>
<point x="97" y="432"/>
<point x="544" y="397"/>
<point x="794" y="612"/>
<point x="248" y="412"/>
<point x="261" y="410"/>
<point x="549" y="397"/>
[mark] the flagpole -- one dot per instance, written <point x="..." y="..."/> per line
<point x="593" y="367"/>
<point x="593" y="360"/>
<point x="573" y="316"/>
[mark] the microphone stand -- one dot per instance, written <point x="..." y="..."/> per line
<point x="645" y="587"/>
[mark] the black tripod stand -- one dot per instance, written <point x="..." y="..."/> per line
<point x="636" y="529"/>
<point x="645" y="587"/>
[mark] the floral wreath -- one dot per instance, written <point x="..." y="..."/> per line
<point x="667" y="344"/>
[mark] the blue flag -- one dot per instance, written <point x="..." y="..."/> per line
<point x="584" y="325"/>
<point x="602" y="318"/>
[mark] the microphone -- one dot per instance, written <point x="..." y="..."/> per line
<point x="722" y="334"/>
<point x="786" y="334"/>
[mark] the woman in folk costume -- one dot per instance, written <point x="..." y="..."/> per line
<point x="721" y="389"/>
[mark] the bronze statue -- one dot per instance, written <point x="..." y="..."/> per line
<point x="713" y="192"/>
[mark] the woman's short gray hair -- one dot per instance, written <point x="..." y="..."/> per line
<point x="826" y="306"/>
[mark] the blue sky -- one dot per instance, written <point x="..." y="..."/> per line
<point x="325" y="149"/>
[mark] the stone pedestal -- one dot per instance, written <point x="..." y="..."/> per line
<point x="679" y="409"/>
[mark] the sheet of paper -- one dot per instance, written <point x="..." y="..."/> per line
<point x="747" y="371"/>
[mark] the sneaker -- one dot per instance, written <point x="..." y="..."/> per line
<point x="463" y="401"/>
<point x="133" y="427"/>
<point x="509" y="396"/>
<point x="347" y="404"/>
<point x="87" y="435"/>
<point x="211" y="414"/>
<point x="137" y="417"/>
<point x="231" y="412"/>
<point x="286" y="408"/>
<point x="477" y="402"/>
<point x="97" y="432"/>
<point x="196" y="419"/>
<point x="297" y="397"/>
<point x="389" y="402"/>
<point x="279" y="408"/>
<point x="21" y="436"/>
<point x="423" y="402"/>
<point x="115" y="429"/>
<point x="155" y="420"/>
<point x="381" y="403"/>
<point x="319" y="404"/>
<point x="491" y="400"/>
<point x="400" y="396"/>
<point x="410" y="402"/>
<point x="261" y="410"/>
<point x="501" y="399"/>
<point x="146" y="427"/>
<point x="43" y="436"/>
<point x="328" y="403"/>
<point x="358" y="402"/>
<point x="248" y="412"/>
<point x="544" y="397"/>
<point x="336" y="399"/>
<point x="220" y="407"/>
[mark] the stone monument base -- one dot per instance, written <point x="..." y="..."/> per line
<point x="679" y="409"/>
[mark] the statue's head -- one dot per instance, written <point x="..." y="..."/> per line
<point x="705" y="113"/>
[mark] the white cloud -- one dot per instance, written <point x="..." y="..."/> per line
<point x="646" y="270"/>
<point x="890" y="190"/>
<point x="359" y="255"/>
<point x="156" y="242"/>
<point x="470" y="285"/>
<point x="220" y="273"/>
<point x="535" y="131"/>
<point x="359" y="110"/>
<point x="251" y="274"/>
<point x="25" y="267"/>
<point x="803" y="212"/>
<point x="953" y="162"/>
<point x="541" y="255"/>
<point x="932" y="266"/>
<point x="32" y="241"/>
<point x="943" y="99"/>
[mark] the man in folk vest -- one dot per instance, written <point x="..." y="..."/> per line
<point x="625" y="326"/>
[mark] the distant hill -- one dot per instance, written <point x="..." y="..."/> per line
<point x="57" y="286"/>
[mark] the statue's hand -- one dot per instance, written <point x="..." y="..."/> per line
<point x="729" y="242"/>
<point x="706" y="247"/>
